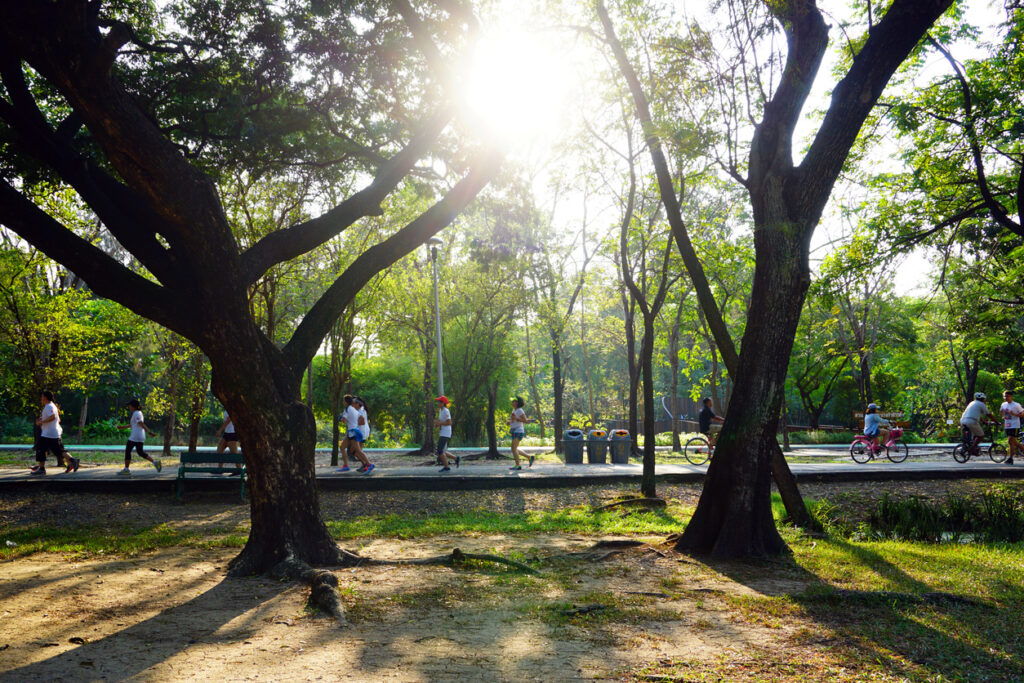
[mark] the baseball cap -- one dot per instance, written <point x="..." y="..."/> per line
<point x="442" y="399"/>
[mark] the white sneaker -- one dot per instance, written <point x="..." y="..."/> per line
<point x="158" y="465"/>
<point x="125" y="472"/>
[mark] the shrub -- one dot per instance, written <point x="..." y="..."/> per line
<point x="16" y="427"/>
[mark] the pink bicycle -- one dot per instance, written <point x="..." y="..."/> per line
<point x="862" y="449"/>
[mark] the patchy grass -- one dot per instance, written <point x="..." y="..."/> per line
<point x="576" y="520"/>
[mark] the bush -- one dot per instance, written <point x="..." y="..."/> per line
<point x="16" y="428"/>
<point x="820" y="437"/>
<point x="998" y="517"/>
<point x="104" y="430"/>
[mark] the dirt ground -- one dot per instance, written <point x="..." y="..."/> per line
<point x="172" y="615"/>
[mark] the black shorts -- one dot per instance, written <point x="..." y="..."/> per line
<point x="230" y="438"/>
<point x="48" y="444"/>
<point x="1012" y="432"/>
<point x="442" y="443"/>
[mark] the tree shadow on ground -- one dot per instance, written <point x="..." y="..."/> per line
<point x="131" y="651"/>
<point x="906" y="625"/>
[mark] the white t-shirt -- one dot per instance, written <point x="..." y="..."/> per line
<point x="516" y="423"/>
<point x="351" y="418"/>
<point x="444" y="415"/>
<point x="1011" y="414"/>
<point x="230" y="429"/>
<point x="52" y="429"/>
<point x="137" y="433"/>
<point x="365" y="427"/>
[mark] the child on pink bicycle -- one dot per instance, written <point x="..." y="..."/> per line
<point x="875" y="426"/>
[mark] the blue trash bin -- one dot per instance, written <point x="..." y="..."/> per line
<point x="620" y="444"/>
<point x="572" y="445"/>
<point x="597" y="447"/>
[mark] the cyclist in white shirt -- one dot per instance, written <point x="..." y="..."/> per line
<point x="50" y="437"/>
<point x="137" y="439"/>
<point x="1011" y="412"/>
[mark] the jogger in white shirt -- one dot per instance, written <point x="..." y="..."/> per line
<point x="354" y="438"/>
<point x="49" y="438"/>
<point x="1011" y="412"/>
<point x="137" y="439"/>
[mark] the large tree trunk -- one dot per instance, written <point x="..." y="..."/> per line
<point x="558" y="386"/>
<point x="492" y="428"/>
<point x="198" y="400"/>
<point x="647" y="488"/>
<point x="629" y="313"/>
<point x="172" y="407"/>
<point x="278" y="439"/>
<point x="673" y="365"/>
<point x="82" y="418"/>
<point x="531" y="367"/>
<point x="427" y="445"/>
<point x="734" y="514"/>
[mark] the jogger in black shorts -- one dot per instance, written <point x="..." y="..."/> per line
<point x="49" y="438"/>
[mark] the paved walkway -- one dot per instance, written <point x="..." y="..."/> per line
<point x="483" y="475"/>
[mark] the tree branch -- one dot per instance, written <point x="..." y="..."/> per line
<point x="317" y="323"/>
<point x="282" y="245"/>
<point x="105" y="276"/>
<point x="694" y="268"/>
<point x="116" y="205"/>
<point x="996" y="209"/>
<point x="888" y="44"/>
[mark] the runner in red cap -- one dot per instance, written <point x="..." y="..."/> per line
<point x="444" y="433"/>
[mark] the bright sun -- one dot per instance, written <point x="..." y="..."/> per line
<point x="516" y="87"/>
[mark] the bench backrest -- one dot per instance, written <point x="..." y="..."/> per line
<point x="193" y="458"/>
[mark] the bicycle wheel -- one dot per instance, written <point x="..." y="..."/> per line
<point x="898" y="452"/>
<point x="697" y="450"/>
<point x="960" y="453"/>
<point x="860" y="452"/>
<point x="997" y="452"/>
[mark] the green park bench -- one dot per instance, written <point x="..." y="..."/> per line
<point x="203" y="463"/>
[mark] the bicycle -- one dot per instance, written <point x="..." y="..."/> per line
<point x="698" y="450"/>
<point x="864" y="449"/>
<point x="966" y="449"/>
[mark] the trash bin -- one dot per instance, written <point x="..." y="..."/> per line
<point x="572" y="444"/>
<point x="597" y="446"/>
<point x="620" y="445"/>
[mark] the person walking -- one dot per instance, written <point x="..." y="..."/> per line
<point x="49" y="440"/>
<point x="1011" y="412"/>
<point x="353" y="434"/>
<point x="517" y="422"/>
<point x="228" y="440"/>
<point x="444" y="433"/>
<point x="137" y="439"/>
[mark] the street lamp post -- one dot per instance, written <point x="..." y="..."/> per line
<point x="434" y="243"/>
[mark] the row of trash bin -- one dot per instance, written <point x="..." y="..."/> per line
<point x="598" y="442"/>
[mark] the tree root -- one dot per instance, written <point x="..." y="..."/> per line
<point x="616" y="543"/>
<point x="485" y="455"/>
<point x="649" y="503"/>
<point x="585" y="609"/>
<point x="455" y="557"/>
<point x="322" y="584"/>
